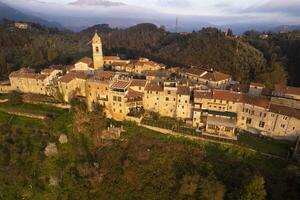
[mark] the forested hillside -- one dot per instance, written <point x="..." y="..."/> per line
<point x="37" y="48"/>
<point x="247" y="58"/>
<point x="279" y="49"/>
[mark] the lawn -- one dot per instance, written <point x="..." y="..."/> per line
<point x="265" y="144"/>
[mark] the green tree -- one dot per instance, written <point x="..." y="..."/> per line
<point x="254" y="189"/>
<point x="3" y="64"/>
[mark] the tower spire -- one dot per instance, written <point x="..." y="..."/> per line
<point x="97" y="51"/>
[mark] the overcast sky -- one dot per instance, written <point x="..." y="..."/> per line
<point x="285" y="8"/>
<point x="214" y="11"/>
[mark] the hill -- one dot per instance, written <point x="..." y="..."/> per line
<point x="208" y="48"/>
<point x="285" y="28"/>
<point x="7" y="12"/>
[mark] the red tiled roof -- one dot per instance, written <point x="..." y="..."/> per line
<point x="257" y="84"/>
<point x="47" y="71"/>
<point x="138" y="82"/>
<point x="287" y="90"/>
<point x="27" y="73"/>
<point x="215" y="76"/>
<point x="200" y="94"/>
<point x="284" y="110"/>
<point x="104" y="75"/>
<point x="237" y="97"/>
<point x="193" y="71"/>
<point x="111" y="58"/>
<point x="153" y="87"/>
<point x="183" y="90"/>
<point x="157" y="73"/>
<point x="73" y="75"/>
<point x="86" y="60"/>
<point x="293" y="90"/>
<point x="119" y="63"/>
<point x="134" y="94"/>
<point x="120" y="84"/>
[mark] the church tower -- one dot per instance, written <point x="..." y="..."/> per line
<point x="97" y="52"/>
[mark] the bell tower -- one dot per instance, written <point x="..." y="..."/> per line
<point x="97" y="52"/>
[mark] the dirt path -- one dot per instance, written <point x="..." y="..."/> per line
<point x="196" y="138"/>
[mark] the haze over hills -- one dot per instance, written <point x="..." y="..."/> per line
<point x="80" y="14"/>
<point x="14" y="14"/>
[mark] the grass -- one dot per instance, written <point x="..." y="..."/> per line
<point x="265" y="144"/>
<point x="32" y="108"/>
<point x="216" y="153"/>
<point x="20" y="122"/>
<point x="171" y="124"/>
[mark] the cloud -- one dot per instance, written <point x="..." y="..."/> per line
<point x="286" y="7"/>
<point x="103" y="3"/>
<point x="176" y="3"/>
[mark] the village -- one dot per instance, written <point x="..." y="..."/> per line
<point x="209" y="101"/>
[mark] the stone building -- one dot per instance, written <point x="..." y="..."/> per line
<point x="72" y="85"/>
<point x="211" y="78"/>
<point x="256" y="88"/>
<point x="122" y="100"/>
<point x="255" y="114"/>
<point x="98" y="89"/>
<point x="287" y="92"/>
<point x="26" y="80"/>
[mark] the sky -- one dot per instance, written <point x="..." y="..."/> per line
<point x="283" y="8"/>
<point x="216" y="12"/>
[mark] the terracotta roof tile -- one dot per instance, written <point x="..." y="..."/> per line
<point x="73" y="75"/>
<point x="87" y="61"/>
<point x="284" y="110"/>
<point x="138" y="82"/>
<point x="120" y="84"/>
<point x="183" y="90"/>
<point x="111" y="58"/>
<point x="104" y="75"/>
<point x="153" y="87"/>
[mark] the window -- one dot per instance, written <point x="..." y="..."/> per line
<point x="186" y="101"/>
<point x="249" y="120"/>
<point x="114" y="98"/>
<point x="169" y="92"/>
<point x="285" y="118"/>
<point x="261" y="124"/>
<point x="282" y="125"/>
<point x="167" y="98"/>
<point x="97" y="49"/>
<point x="179" y="100"/>
<point x="265" y="114"/>
<point x="228" y="129"/>
<point x="243" y="118"/>
<point x="230" y="107"/>
<point x="182" y="107"/>
<point x="120" y="111"/>
<point x="119" y="99"/>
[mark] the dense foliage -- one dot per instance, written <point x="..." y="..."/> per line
<point x="38" y="48"/>
<point x="208" y="48"/>
<point x="141" y="165"/>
